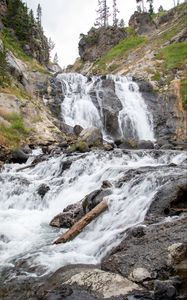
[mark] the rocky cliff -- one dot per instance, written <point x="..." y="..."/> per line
<point x="153" y="51"/>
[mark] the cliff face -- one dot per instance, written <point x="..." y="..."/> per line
<point x="25" y="119"/>
<point x="154" y="50"/>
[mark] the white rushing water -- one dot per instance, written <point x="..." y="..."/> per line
<point x="24" y="217"/>
<point x="78" y="107"/>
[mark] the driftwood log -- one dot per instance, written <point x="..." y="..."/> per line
<point x="82" y="223"/>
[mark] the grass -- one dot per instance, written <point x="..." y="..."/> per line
<point x="12" y="135"/>
<point x="183" y="91"/>
<point x="119" y="51"/>
<point x="11" y="43"/>
<point x="174" y="56"/>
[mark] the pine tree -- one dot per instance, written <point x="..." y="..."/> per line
<point x="160" y="9"/>
<point x="103" y="14"/>
<point x="39" y="15"/>
<point x="55" y="59"/>
<point x="122" y="23"/>
<point x="151" y="8"/>
<point x="115" y="13"/>
<point x="51" y="45"/>
<point x="142" y="2"/>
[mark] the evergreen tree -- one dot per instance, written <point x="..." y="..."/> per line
<point x="122" y="23"/>
<point x="115" y="13"/>
<point x="151" y="8"/>
<point x="51" y="45"/>
<point x="142" y="2"/>
<point x="160" y="9"/>
<point x="55" y="59"/>
<point x="103" y="14"/>
<point x="39" y="15"/>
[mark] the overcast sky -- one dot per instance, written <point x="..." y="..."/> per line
<point x="64" y="20"/>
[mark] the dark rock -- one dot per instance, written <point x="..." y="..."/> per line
<point x="93" y="199"/>
<point x="106" y="184"/>
<point x="149" y="251"/>
<point x="142" y="23"/>
<point x="19" y="157"/>
<point x="98" y="41"/>
<point x="145" y="145"/>
<point x="43" y="189"/>
<point x="77" y="129"/>
<point x="108" y="147"/>
<point x="63" y="145"/>
<point x="167" y="147"/>
<point x="70" y="215"/>
<point x="164" y="290"/>
<point x="170" y="198"/>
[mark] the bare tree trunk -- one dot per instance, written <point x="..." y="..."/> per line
<point x="82" y="223"/>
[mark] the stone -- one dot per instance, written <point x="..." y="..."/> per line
<point x="43" y="189"/>
<point x="142" y="23"/>
<point x="164" y="290"/>
<point x="92" y="136"/>
<point x="70" y="215"/>
<point x="140" y="275"/>
<point x="106" y="184"/>
<point x="177" y="253"/>
<point x="108" y="147"/>
<point x="77" y="129"/>
<point x="104" y="283"/>
<point x="145" y="144"/>
<point x="94" y="198"/>
<point x="19" y="156"/>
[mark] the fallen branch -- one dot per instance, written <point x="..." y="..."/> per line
<point x="27" y="167"/>
<point x="82" y="223"/>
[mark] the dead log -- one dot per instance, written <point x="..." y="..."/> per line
<point x="27" y="167"/>
<point x="82" y="223"/>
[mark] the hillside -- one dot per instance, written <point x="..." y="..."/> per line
<point x="25" y="73"/>
<point x="154" y="50"/>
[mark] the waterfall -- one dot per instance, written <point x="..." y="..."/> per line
<point x="80" y="108"/>
<point x="24" y="216"/>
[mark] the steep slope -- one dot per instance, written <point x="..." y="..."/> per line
<point x="155" y="52"/>
<point x="24" y="117"/>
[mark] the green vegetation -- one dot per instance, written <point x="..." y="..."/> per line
<point x="156" y="76"/>
<point x="183" y="91"/>
<point x="11" y="43"/>
<point x="19" y="19"/>
<point x="4" y="78"/>
<point x="12" y="135"/>
<point x="174" y="56"/>
<point x="80" y="146"/>
<point x="119" y="51"/>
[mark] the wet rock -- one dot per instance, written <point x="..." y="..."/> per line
<point x="19" y="157"/>
<point x="70" y="215"/>
<point x="145" y="144"/>
<point x="171" y="199"/>
<point x="43" y="189"/>
<point x="92" y="136"/>
<point x="77" y="129"/>
<point x="167" y="146"/>
<point x="108" y="147"/>
<point x="164" y="290"/>
<point x="93" y="199"/>
<point x="106" y="184"/>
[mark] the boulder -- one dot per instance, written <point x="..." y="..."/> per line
<point x="94" y="198"/>
<point x="140" y="275"/>
<point x="142" y="144"/>
<point x="70" y="215"/>
<point x="164" y="290"/>
<point x="91" y="281"/>
<point x="77" y="129"/>
<point x="19" y="157"/>
<point x="142" y="23"/>
<point x="43" y="189"/>
<point x="92" y="136"/>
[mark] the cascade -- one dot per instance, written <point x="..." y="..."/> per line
<point x="79" y="107"/>
<point x="24" y="216"/>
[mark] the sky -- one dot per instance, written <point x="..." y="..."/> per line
<point x="64" y="20"/>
